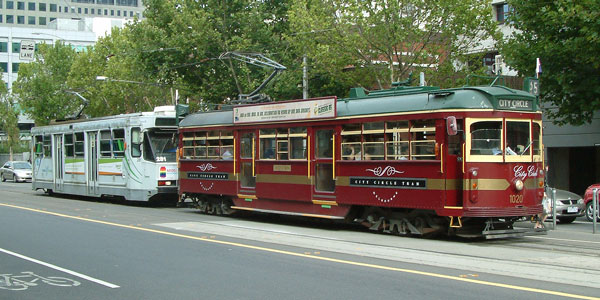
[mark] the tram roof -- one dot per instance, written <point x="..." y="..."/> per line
<point x="402" y="100"/>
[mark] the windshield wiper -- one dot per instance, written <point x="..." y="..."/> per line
<point x="525" y="150"/>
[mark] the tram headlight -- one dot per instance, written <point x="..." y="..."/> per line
<point x="519" y="184"/>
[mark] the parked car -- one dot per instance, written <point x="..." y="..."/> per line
<point x="16" y="170"/>
<point x="587" y="198"/>
<point x="569" y="205"/>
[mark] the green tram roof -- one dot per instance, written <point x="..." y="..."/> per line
<point x="402" y="100"/>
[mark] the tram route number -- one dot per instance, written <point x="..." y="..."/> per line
<point x="516" y="198"/>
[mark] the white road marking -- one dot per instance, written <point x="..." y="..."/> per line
<point x="82" y="276"/>
<point x="564" y="240"/>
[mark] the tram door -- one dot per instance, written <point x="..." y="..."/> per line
<point x="58" y="163"/>
<point x="323" y="165"/>
<point x="247" y="162"/>
<point x="453" y="156"/>
<point x="92" y="163"/>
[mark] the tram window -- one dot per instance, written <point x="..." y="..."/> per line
<point x="47" y="146"/>
<point x="226" y="145"/>
<point x="136" y="142"/>
<point x="536" y="145"/>
<point x="79" y="152"/>
<point x="422" y="139"/>
<point x="267" y="143"/>
<point x="105" y="149"/>
<point x="455" y="141"/>
<point x="69" y="146"/>
<point x="297" y="143"/>
<point x="324" y="143"/>
<point x="373" y="141"/>
<point x="118" y="142"/>
<point x="212" y="145"/>
<point x="247" y="179"/>
<point x="39" y="145"/>
<point x="397" y="140"/>
<point x="486" y="138"/>
<point x="246" y="145"/>
<point x="200" y="145"/>
<point x="351" y="142"/>
<point x="518" y="141"/>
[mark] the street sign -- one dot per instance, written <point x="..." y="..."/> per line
<point x="532" y="85"/>
<point x="27" y="50"/>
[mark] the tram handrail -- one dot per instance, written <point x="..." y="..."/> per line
<point x="595" y="208"/>
<point x="333" y="155"/>
<point x="308" y="158"/>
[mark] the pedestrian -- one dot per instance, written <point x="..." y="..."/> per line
<point x="547" y="207"/>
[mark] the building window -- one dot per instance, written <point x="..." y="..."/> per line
<point x="85" y="11"/>
<point x="16" y="47"/>
<point x="20" y="19"/>
<point x="42" y="21"/>
<point x="79" y="10"/>
<point x="112" y="12"/>
<point x="93" y="11"/>
<point x="0" y="18"/>
<point x="21" y="5"/>
<point x="10" y="19"/>
<point x="10" y="5"/>
<point x="66" y="9"/>
<point x="4" y="67"/>
<point x="31" y="20"/>
<point x="52" y="19"/>
<point x="15" y="67"/>
<point x="3" y="47"/>
<point x="106" y="12"/>
<point x="53" y="7"/>
<point x="503" y="10"/>
<point x="1" y="3"/>
<point x="42" y="7"/>
<point x="31" y="5"/>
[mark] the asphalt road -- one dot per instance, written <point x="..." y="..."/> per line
<point x="78" y="248"/>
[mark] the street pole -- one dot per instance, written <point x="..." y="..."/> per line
<point x="595" y="208"/>
<point x="553" y="209"/>
<point x="304" y="77"/>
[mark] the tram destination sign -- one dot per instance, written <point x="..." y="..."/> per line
<point x="515" y="104"/>
<point x="322" y="108"/>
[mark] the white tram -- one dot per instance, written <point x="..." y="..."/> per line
<point x="131" y="156"/>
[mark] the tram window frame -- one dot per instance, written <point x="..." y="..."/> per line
<point x="537" y="145"/>
<point x="200" y="145"/>
<point x="39" y="146"/>
<point x="495" y="154"/>
<point x="69" y="145"/>
<point x="136" y="142"/>
<point x="213" y="146"/>
<point x="118" y="142"/>
<point x="246" y="145"/>
<point x="47" y="144"/>
<point x="105" y="144"/>
<point x="422" y="139"/>
<point x="517" y="140"/>
<point x="351" y="141"/>
<point x="397" y="140"/>
<point x="79" y="144"/>
<point x="267" y="143"/>
<point x="297" y="143"/>
<point x="373" y="144"/>
<point x="188" y="145"/>
<point x="226" y="141"/>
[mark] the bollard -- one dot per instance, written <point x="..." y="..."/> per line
<point x="553" y="209"/>
<point x="594" y="208"/>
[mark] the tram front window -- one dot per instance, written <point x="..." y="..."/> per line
<point x="160" y="145"/>
<point x="486" y="138"/>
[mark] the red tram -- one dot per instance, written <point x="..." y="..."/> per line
<point x="408" y="160"/>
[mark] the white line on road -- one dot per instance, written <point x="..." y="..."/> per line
<point x="82" y="276"/>
<point x="564" y="240"/>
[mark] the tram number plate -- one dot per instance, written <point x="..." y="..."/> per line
<point x="572" y="209"/>
<point x="516" y="198"/>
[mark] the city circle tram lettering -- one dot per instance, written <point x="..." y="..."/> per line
<point x="400" y="183"/>
<point x="208" y="176"/>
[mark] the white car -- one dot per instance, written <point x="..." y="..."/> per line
<point x="16" y="171"/>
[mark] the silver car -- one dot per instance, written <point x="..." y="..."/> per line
<point x="16" y="171"/>
<point x="569" y="205"/>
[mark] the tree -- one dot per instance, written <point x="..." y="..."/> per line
<point x="9" y="121"/>
<point x="565" y="36"/>
<point x="41" y="86"/>
<point x="384" y="41"/>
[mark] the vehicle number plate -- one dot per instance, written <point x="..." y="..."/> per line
<point x="572" y="209"/>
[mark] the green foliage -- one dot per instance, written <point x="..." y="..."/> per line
<point x="41" y="84"/>
<point x="565" y="36"/>
<point x="9" y="123"/>
<point x="364" y="36"/>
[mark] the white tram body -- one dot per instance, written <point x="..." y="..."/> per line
<point x="131" y="156"/>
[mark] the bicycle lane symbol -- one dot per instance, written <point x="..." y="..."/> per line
<point x="28" y="279"/>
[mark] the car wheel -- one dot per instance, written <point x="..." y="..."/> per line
<point x="15" y="178"/>
<point x="589" y="212"/>
<point x="566" y="220"/>
<point x="3" y="178"/>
